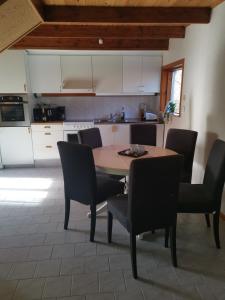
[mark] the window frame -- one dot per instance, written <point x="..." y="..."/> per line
<point x="166" y="83"/>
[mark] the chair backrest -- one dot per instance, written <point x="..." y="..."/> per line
<point x="78" y="172"/>
<point x="183" y="142"/>
<point x="90" y="137"/>
<point x="153" y="192"/>
<point x="215" y="172"/>
<point x="143" y="134"/>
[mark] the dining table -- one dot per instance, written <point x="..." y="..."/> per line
<point x="108" y="160"/>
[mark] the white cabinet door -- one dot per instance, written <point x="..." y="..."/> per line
<point x="151" y="73"/>
<point x="12" y="72"/>
<point x="160" y="135"/>
<point x="16" y="146"/>
<point x="76" y="74"/>
<point x="132" y="74"/>
<point x="107" y="74"/>
<point x="45" y="73"/>
<point x="107" y="134"/>
<point x="122" y="134"/>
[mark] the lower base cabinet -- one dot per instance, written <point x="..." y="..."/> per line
<point x="16" y="146"/>
<point x="119" y="134"/>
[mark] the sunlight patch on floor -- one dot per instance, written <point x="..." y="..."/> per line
<point x="24" y="191"/>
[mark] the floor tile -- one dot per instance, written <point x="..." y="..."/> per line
<point x="57" y="287"/>
<point x="7" y="289"/>
<point x="63" y="251"/>
<point x="29" y="289"/>
<point x="48" y="268"/>
<point x="39" y="253"/>
<point x="85" y="284"/>
<point x="22" y="270"/>
<point x="111" y="281"/>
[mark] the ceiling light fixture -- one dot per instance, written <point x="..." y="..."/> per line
<point x="100" y="41"/>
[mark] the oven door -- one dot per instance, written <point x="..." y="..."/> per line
<point x="71" y="136"/>
<point x="14" y="114"/>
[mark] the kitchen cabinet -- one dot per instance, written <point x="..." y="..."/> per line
<point x="16" y="146"/>
<point x="106" y="134"/>
<point x="45" y="73"/>
<point x="45" y="138"/>
<point x="76" y="74"/>
<point x="107" y="74"/>
<point x="13" y="72"/>
<point x="141" y="74"/>
<point x="119" y="134"/>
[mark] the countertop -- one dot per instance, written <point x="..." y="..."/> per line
<point x="102" y="122"/>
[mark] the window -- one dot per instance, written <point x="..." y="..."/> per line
<point x="171" y="86"/>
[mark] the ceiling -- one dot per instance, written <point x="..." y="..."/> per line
<point x="118" y="24"/>
<point x="156" y="3"/>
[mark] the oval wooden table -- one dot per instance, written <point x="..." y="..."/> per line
<point x="107" y="160"/>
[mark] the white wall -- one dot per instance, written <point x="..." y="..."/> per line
<point x="203" y="103"/>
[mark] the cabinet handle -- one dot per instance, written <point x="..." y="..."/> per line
<point x="47" y="133"/>
<point x="47" y="126"/>
<point x="25" y="87"/>
<point x="29" y="130"/>
<point x="48" y="146"/>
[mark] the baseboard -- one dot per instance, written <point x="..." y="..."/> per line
<point x="222" y="216"/>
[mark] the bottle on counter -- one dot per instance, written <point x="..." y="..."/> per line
<point x="123" y="114"/>
<point x="143" y="108"/>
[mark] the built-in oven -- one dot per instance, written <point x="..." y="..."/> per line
<point x="71" y="136"/>
<point x="14" y="111"/>
<point x="71" y="129"/>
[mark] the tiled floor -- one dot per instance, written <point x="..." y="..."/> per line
<point x="39" y="260"/>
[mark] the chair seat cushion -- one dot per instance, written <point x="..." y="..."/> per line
<point x="118" y="206"/>
<point x="194" y="198"/>
<point x="107" y="187"/>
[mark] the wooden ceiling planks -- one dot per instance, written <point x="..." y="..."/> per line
<point x="143" y="3"/>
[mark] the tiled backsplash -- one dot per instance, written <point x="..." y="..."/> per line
<point x="102" y="106"/>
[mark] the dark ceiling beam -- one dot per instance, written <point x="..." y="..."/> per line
<point x="127" y="15"/>
<point x="39" y="5"/>
<point x="91" y="44"/>
<point x="109" y="31"/>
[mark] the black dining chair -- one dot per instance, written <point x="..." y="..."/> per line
<point x="143" y="134"/>
<point x="183" y="141"/>
<point x="151" y="202"/>
<point x="205" y="198"/>
<point x="81" y="183"/>
<point x="92" y="137"/>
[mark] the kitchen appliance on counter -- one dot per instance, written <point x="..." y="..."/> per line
<point x="47" y="114"/>
<point x="150" y="116"/>
<point x="14" y="111"/>
<point x="71" y="130"/>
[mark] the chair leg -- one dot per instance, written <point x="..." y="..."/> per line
<point x="93" y="223"/>
<point x="67" y="212"/>
<point x="207" y="220"/>
<point x="133" y="254"/>
<point x="110" y="223"/>
<point x="167" y="234"/>
<point x="216" y="219"/>
<point x="173" y="245"/>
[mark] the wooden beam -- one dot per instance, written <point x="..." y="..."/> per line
<point x="108" y="31"/>
<point x="91" y="44"/>
<point x="127" y="15"/>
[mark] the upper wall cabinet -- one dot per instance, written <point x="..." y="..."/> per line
<point x="76" y="74"/>
<point x="45" y="73"/>
<point x="141" y="74"/>
<point x="107" y="74"/>
<point x="12" y="72"/>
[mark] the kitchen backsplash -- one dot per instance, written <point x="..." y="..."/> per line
<point x="101" y="106"/>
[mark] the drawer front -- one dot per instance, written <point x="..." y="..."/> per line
<point x="46" y="152"/>
<point x="47" y="137"/>
<point x="46" y="127"/>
